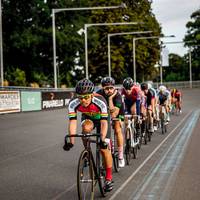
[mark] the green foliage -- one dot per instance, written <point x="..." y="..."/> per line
<point x="16" y="77"/>
<point x="27" y="40"/>
<point x="193" y="35"/>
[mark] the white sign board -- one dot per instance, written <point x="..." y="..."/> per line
<point x="165" y="57"/>
<point x="9" y="101"/>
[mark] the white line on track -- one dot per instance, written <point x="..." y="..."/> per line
<point x="146" y="160"/>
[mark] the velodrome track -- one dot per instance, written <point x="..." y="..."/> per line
<point x="33" y="165"/>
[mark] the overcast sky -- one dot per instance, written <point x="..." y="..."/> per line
<point x="173" y="16"/>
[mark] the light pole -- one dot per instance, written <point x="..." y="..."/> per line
<point x="54" y="11"/>
<point x="134" y="58"/>
<point x="115" y="34"/>
<point x="1" y="46"/>
<point x="100" y="24"/>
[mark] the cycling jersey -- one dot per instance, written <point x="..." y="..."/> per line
<point x="130" y="99"/>
<point x="176" y="95"/>
<point x="153" y="91"/>
<point x="117" y="101"/>
<point x="163" y="97"/>
<point x="150" y="95"/>
<point x="97" y="109"/>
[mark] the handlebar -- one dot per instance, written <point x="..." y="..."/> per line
<point x="84" y="135"/>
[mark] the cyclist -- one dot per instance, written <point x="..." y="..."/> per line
<point x="94" y="109"/>
<point x="132" y="96"/>
<point x="164" y="99"/>
<point x="114" y="101"/>
<point x="150" y="100"/>
<point x="177" y="99"/>
<point x="156" y="107"/>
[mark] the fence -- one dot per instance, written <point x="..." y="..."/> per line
<point x="21" y="99"/>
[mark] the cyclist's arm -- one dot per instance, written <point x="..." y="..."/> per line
<point x="153" y="104"/>
<point x="114" y="110"/>
<point x="104" y="128"/>
<point x="72" y="129"/>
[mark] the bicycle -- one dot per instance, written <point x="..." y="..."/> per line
<point x="132" y="140"/>
<point x="89" y="172"/>
<point x="163" y="123"/>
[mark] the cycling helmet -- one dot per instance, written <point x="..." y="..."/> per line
<point x="106" y="81"/>
<point x="144" y="86"/>
<point x="84" y="86"/>
<point x="128" y="83"/>
<point x="149" y="85"/>
<point x="162" y="88"/>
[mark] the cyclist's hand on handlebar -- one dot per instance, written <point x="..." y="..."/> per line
<point x="103" y="145"/>
<point x="67" y="146"/>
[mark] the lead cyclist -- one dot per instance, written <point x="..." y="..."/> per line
<point x="94" y="109"/>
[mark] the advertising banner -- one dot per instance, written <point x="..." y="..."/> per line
<point x="31" y="101"/>
<point x="55" y="99"/>
<point x="9" y="101"/>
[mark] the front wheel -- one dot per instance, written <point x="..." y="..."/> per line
<point x="101" y="172"/>
<point x="85" y="177"/>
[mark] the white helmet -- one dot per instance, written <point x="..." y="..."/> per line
<point x="162" y="88"/>
<point x="149" y="85"/>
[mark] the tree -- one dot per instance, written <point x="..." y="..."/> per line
<point x="193" y="35"/>
<point x="27" y="34"/>
<point x="147" y="52"/>
<point x="177" y="70"/>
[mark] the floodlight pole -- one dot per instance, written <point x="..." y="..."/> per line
<point x="86" y="38"/>
<point x="54" y="11"/>
<point x="117" y="34"/>
<point x="1" y="47"/>
<point x="134" y="58"/>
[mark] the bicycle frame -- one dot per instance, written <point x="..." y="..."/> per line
<point x="131" y="126"/>
<point x="96" y="166"/>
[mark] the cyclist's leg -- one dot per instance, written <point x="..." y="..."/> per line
<point x="120" y="142"/>
<point x="133" y="109"/>
<point x="179" y="104"/>
<point x="167" y="108"/>
<point x="150" y="118"/>
<point x="107" y="158"/>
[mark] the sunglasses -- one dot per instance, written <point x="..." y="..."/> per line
<point x="81" y="97"/>
<point x="108" y="88"/>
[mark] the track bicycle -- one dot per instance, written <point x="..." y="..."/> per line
<point x="90" y="171"/>
<point x="132" y="139"/>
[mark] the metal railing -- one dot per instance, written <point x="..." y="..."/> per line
<point x="179" y="84"/>
<point x="175" y="84"/>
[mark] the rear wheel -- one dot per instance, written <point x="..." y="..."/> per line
<point x="162" y="123"/>
<point x="139" y="136"/>
<point x="101" y="174"/>
<point x="135" y="148"/>
<point x="128" y="147"/>
<point x="115" y="157"/>
<point x="85" y="177"/>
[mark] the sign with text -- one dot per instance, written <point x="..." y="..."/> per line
<point x="55" y="99"/>
<point x="9" y="101"/>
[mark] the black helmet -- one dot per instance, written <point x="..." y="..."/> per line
<point x="84" y="86"/>
<point x="106" y="81"/>
<point x="128" y="83"/>
<point x="144" y="86"/>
